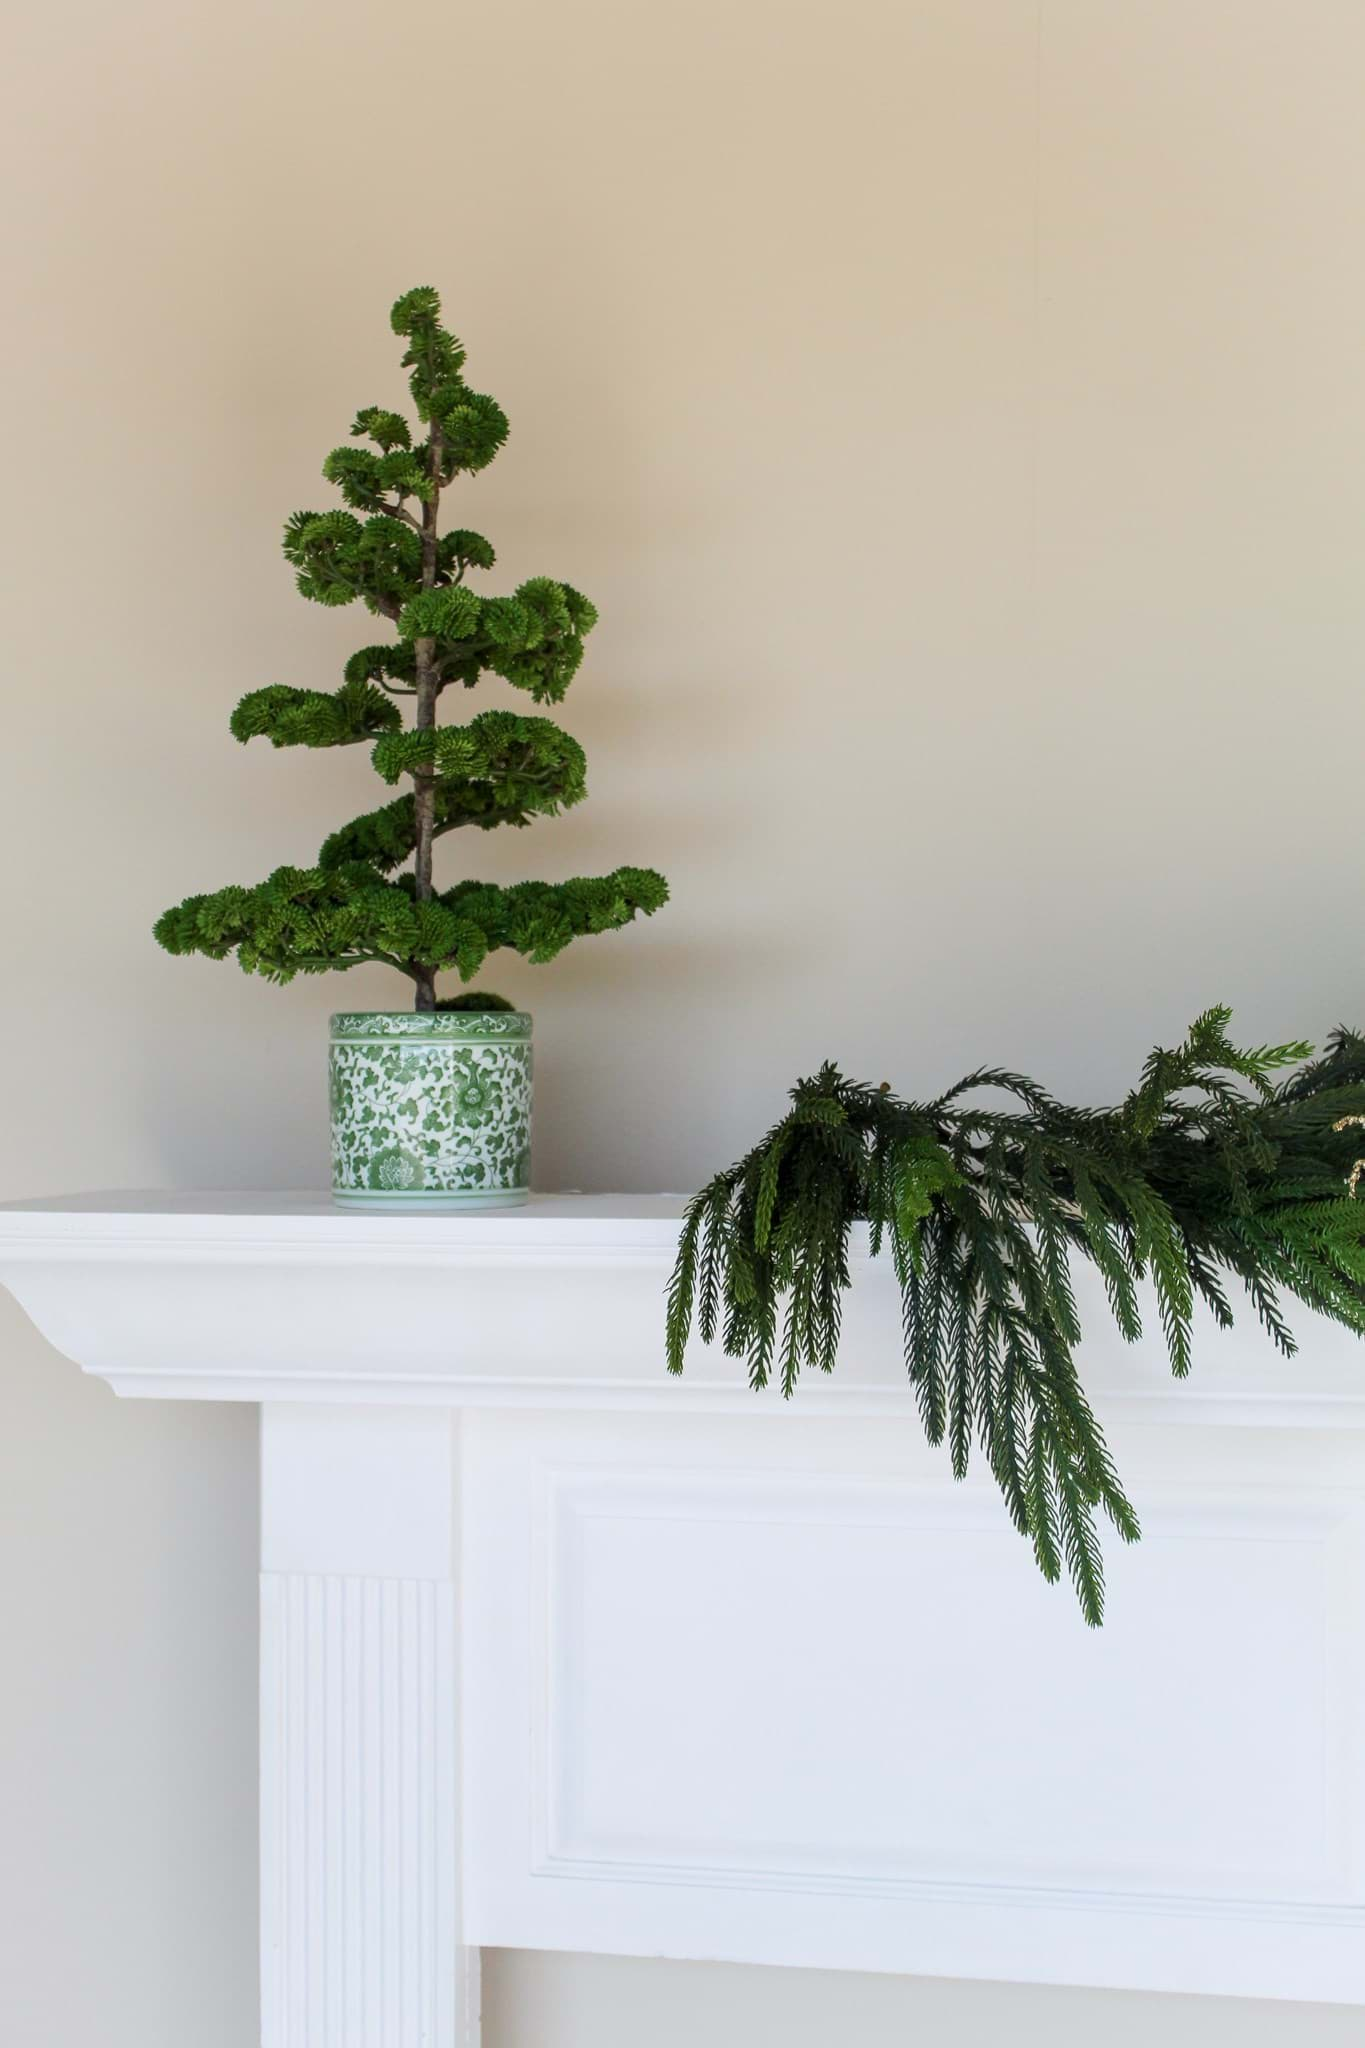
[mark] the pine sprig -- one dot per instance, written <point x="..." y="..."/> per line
<point x="1213" y="1166"/>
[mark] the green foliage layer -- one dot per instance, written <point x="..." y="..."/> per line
<point x="310" y="920"/>
<point x="1209" y="1170"/>
<point x="498" y="769"/>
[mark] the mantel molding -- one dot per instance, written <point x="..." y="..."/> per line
<point x="258" y="1297"/>
<point x="232" y="1223"/>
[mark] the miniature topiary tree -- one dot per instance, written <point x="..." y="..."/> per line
<point x="499" y="768"/>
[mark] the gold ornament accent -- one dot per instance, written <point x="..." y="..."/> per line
<point x="1353" y="1178"/>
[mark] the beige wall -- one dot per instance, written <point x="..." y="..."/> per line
<point x="956" y="409"/>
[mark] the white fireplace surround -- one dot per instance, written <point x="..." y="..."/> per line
<point x="559" y="1652"/>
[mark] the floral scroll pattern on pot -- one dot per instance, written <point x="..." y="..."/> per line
<point x="431" y="1107"/>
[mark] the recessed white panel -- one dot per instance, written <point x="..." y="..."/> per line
<point x="783" y="1693"/>
<point x="864" y="1682"/>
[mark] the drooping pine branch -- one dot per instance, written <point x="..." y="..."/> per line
<point x="1212" y="1169"/>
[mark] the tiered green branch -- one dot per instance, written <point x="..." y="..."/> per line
<point x="1209" y="1170"/>
<point x="500" y="768"/>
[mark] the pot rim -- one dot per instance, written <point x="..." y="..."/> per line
<point x="438" y="1024"/>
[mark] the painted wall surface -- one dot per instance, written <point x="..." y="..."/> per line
<point x="956" y="409"/>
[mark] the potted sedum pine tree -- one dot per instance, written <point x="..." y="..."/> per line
<point x="431" y="1106"/>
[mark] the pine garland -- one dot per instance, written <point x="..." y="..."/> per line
<point x="1209" y="1170"/>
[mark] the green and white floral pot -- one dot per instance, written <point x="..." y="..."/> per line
<point x="431" y="1110"/>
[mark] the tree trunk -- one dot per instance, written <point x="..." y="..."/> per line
<point x="424" y="782"/>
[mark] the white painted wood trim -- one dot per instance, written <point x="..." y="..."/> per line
<point x="559" y="1652"/>
<point x="360" y="1819"/>
<point x="559" y="1304"/>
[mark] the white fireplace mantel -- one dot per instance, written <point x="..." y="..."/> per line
<point x="559" y="1652"/>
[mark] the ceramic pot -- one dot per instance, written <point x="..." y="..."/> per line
<point x="431" y="1110"/>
